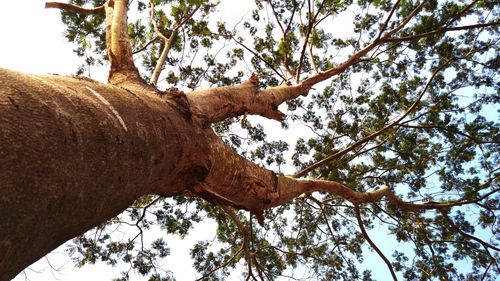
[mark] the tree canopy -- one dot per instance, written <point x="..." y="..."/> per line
<point x="392" y="127"/>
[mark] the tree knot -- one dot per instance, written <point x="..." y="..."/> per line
<point x="180" y="99"/>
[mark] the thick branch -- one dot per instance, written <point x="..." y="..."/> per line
<point x="221" y="103"/>
<point x="237" y="182"/>
<point x="217" y="104"/>
<point x="76" y="9"/>
<point x="123" y="69"/>
<point x="290" y="188"/>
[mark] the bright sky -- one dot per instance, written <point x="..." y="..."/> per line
<point x="33" y="42"/>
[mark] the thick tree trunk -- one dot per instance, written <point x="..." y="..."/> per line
<point x="74" y="153"/>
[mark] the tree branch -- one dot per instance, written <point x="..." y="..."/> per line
<point x="244" y="232"/>
<point x="222" y="265"/>
<point x="306" y="38"/>
<point x="471" y="237"/>
<point x="145" y="45"/>
<point x="406" y="20"/>
<point x="374" y="246"/>
<point x="123" y="71"/>
<point x="260" y="189"/>
<point x="384" y="25"/>
<point x="168" y="41"/>
<point x="451" y="130"/>
<point x="228" y="102"/>
<point x="289" y="188"/>
<point x="259" y="57"/>
<point x="276" y="17"/>
<point x="217" y="104"/>
<point x="76" y="9"/>
<point x="440" y="30"/>
<point x="229" y="212"/>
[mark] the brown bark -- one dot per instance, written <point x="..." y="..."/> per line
<point x="76" y="9"/>
<point x="74" y="153"/>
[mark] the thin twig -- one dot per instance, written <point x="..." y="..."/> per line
<point x="222" y="265"/>
<point x="259" y="57"/>
<point x="310" y="27"/>
<point x="440" y="30"/>
<point x="377" y="133"/>
<point x="145" y="45"/>
<point x="374" y="246"/>
<point x="384" y="26"/>
<point x="168" y="41"/>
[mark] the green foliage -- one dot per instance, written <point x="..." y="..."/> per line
<point x="446" y="149"/>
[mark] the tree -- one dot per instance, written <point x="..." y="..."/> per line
<point x="404" y="137"/>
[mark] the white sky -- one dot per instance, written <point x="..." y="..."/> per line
<point x="32" y="41"/>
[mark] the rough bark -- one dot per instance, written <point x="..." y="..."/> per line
<point x="74" y="153"/>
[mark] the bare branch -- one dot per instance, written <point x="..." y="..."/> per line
<point x="117" y="29"/>
<point x="276" y="17"/>
<point x="374" y="246"/>
<point x="449" y="129"/>
<point x="464" y="10"/>
<point x="313" y="63"/>
<point x="406" y="20"/>
<point x="123" y="71"/>
<point x="145" y="45"/>
<point x="471" y="237"/>
<point x="217" y="104"/>
<point x="246" y="236"/>
<point x="140" y="219"/>
<point x="76" y="9"/>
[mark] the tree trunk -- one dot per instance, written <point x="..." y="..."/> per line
<point x="74" y="153"/>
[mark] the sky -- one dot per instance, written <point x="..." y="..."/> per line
<point x="33" y="39"/>
<point x="33" y="42"/>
